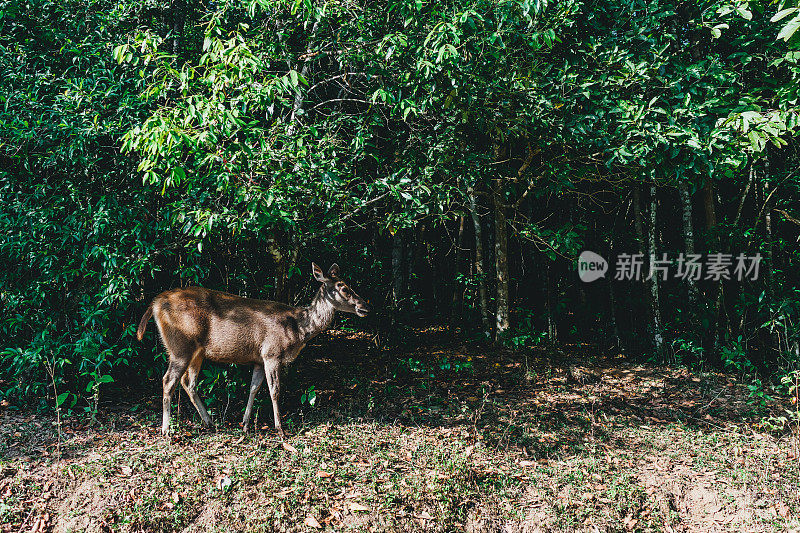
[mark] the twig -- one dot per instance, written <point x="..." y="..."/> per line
<point x="50" y="367"/>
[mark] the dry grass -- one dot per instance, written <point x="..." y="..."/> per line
<point x="522" y="442"/>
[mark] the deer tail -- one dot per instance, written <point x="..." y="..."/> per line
<point x="143" y="322"/>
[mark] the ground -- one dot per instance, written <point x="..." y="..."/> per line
<point x="440" y="435"/>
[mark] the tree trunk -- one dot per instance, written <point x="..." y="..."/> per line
<point x="291" y="264"/>
<point x="480" y="275"/>
<point x="178" y="23"/>
<point x="711" y="223"/>
<point x="455" y="308"/>
<point x="279" y="261"/>
<point x="688" y="236"/>
<point x="768" y="256"/>
<point x="550" y="289"/>
<point x="655" y="305"/>
<point x="398" y="272"/>
<point x="613" y="301"/>
<point x="638" y="227"/>
<point x="501" y="267"/>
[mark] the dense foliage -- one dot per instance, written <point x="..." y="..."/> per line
<point x="454" y="157"/>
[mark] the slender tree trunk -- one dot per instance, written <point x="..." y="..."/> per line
<point x="291" y="264"/>
<point x="411" y="238"/>
<point x="768" y="251"/>
<point x="550" y="289"/>
<point x="711" y="223"/>
<point x="480" y="275"/>
<point x="398" y="272"/>
<point x="655" y="304"/>
<point x="688" y="237"/>
<point x="638" y="227"/>
<point x="613" y="301"/>
<point x="501" y="266"/>
<point x="637" y="218"/>
<point x="178" y="22"/>
<point x="455" y="308"/>
<point x="279" y="260"/>
<point x="768" y="255"/>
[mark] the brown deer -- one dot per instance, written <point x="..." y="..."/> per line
<point x="197" y="324"/>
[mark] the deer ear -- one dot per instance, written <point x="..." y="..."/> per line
<point x="334" y="271"/>
<point x="318" y="274"/>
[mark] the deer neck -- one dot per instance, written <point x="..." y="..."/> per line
<point x="316" y="317"/>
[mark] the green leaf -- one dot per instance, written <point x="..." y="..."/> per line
<point x="61" y="398"/>
<point x="789" y="29"/>
<point x="782" y="14"/>
<point x="744" y="13"/>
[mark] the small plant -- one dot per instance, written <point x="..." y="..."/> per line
<point x="524" y="335"/>
<point x="735" y="357"/>
<point x="758" y="393"/>
<point x="686" y="349"/>
<point x="309" y="396"/>
<point x="93" y="387"/>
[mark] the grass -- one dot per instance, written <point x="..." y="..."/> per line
<point x="442" y="436"/>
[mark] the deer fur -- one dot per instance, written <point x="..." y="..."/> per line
<point x="198" y="324"/>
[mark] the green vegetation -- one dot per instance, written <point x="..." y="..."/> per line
<point x="148" y="146"/>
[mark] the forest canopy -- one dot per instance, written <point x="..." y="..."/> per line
<point x="453" y="157"/>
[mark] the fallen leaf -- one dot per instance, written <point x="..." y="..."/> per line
<point x="239" y="440"/>
<point x="323" y="474"/>
<point x="176" y="497"/>
<point x="126" y="470"/>
<point x="355" y="506"/>
<point x="310" y="521"/>
<point x="424" y="515"/>
<point x="289" y="448"/>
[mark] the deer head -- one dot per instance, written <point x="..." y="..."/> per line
<point x="336" y="291"/>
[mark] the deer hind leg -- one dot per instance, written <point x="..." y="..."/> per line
<point x="189" y="383"/>
<point x="255" y="384"/>
<point x="272" y="369"/>
<point x="181" y="351"/>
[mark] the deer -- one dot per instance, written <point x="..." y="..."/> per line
<point x="196" y="324"/>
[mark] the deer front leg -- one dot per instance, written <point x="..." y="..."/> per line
<point x="255" y="384"/>
<point x="272" y="369"/>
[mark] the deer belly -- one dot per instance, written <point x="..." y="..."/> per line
<point x="232" y="350"/>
